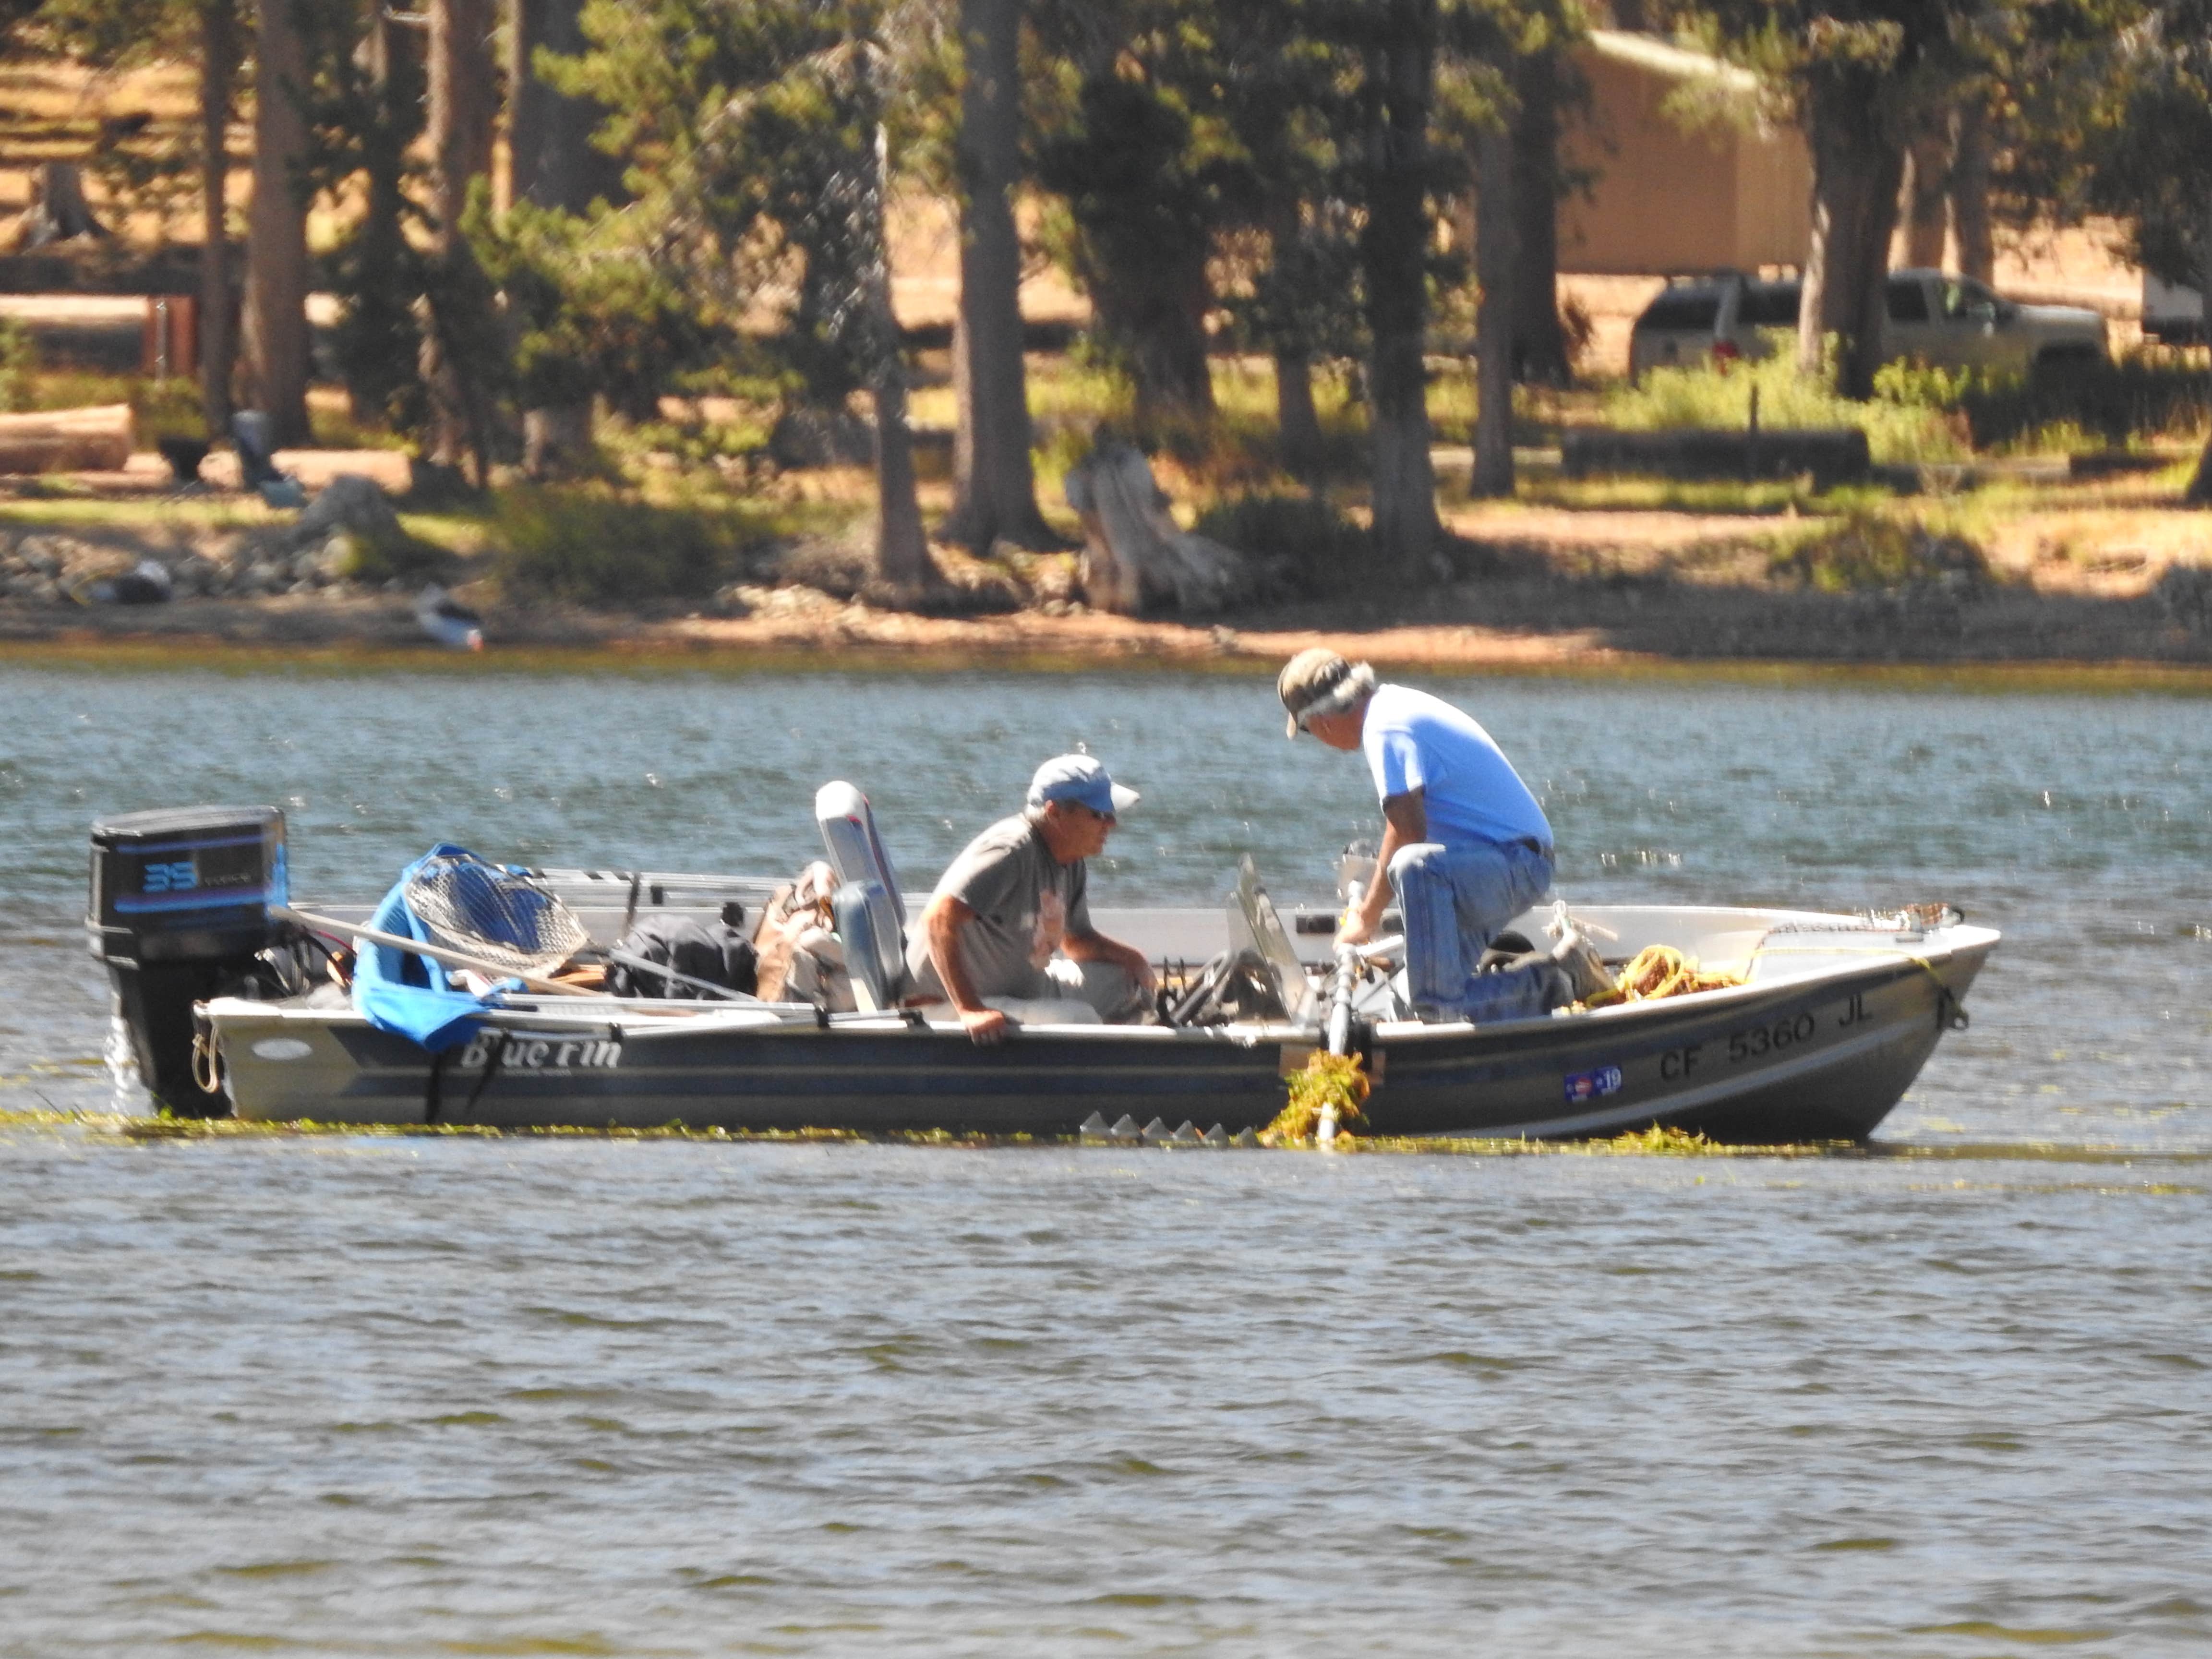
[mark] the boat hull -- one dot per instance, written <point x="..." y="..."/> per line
<point x="1818" y="1056"/>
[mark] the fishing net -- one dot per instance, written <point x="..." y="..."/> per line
<point x="503" y="919"/>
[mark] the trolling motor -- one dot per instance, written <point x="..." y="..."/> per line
<point x="178" y="906"/>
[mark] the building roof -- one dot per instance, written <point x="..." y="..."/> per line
<point x="1648" y="51"/>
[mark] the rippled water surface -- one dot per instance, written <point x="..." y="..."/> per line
<point x="365" y="1396"/>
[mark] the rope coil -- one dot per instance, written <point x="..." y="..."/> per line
<point x="1657" y="971"/>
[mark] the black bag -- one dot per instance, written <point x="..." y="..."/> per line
<point x="712" y="951"/>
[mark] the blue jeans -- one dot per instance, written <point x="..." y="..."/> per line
<point x="1455" y="899"/>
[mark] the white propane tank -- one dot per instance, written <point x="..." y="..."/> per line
<point x="848" y="830"/>
<point x="871" y="916"/>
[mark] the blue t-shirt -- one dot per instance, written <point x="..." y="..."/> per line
<point x="1470" y="790"/>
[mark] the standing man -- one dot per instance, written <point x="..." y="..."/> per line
<point x="1017" y="895"/>
<point x="1465" y="845"/>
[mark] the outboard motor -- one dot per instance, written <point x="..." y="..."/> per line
<point x="179" y="904"/>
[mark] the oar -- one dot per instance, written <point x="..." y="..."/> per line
<point x="1339" y="1028"/>
<point x="437" y="953"/>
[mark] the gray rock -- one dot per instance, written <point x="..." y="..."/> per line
<point x="2184" y="593"/>
<point x="351" y="505"/>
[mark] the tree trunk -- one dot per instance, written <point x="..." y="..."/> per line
<point x="553" y="164"/>
<point x="463" y="104"/>
<point x="902" y="548"/>
<point x="1298" y="425"/>
<point x="1970" y="190"/>
<point x="379" y="335"/>
<point x="1927" y="192"/>
<point x="219" y="61"/>
<point x="274" y="342"/>
<point x="1497" y="218"/>
<point x="1540" y="346"/>
<point x="1857" y="172"/>
<point x="1403" y="481"/>
<point x="2199" y="493"/>
<point x="1155" y="308"/>
<point x="552" y="161"/>
<point x="994" y="483"/>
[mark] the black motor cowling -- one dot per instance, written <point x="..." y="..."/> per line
<point x="179" y="904"/>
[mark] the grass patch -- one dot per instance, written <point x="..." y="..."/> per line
<point x="593" y="546"/>
<point x="1869" y="553"/>
<point x="2063" y="408"/>
<point x="1717" y="396"/>
<point x="608" y="545"/>
<point x="1319" y="550"/>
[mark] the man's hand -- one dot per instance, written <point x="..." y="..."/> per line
<point x="1355" y="930"/>
<point x="986" y="1027"/>
<point x="1140" y="971"/>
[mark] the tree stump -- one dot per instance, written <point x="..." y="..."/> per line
<point x="1135" y="557"/>
<point x="58" y="211"/>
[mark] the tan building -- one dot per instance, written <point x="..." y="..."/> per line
<point x="1689" y="176"/>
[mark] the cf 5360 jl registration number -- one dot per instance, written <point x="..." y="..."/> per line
<point x="1757" y="1041"/>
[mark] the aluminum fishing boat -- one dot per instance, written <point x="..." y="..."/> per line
<point x="1835" y="1017"/>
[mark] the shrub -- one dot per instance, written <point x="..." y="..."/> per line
<point x="1869" y="553"/>
<point x="2067" y="404"/>
<point x="594" y="546"/>
<point x="1315" y="548"/>
<point x="19" y="360"/>
<point x="1717" y="396"/>
<point x="591" y="314"/>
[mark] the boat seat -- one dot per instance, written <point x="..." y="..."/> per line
<point x="869" y="913"/>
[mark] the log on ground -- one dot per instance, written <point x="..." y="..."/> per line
<point x="1838" y="456"/>
<point x="94" y="440"/>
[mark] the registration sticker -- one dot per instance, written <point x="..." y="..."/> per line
<point x="1588" y="1085"/>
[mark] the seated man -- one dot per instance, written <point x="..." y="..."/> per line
<point x="1016" y="896"/>
<point x="1464" y="845"/>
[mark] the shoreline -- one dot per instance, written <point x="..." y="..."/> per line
<point x="372" y="635"/>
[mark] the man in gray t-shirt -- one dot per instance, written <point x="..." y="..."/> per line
<point x="1016" y="897"/>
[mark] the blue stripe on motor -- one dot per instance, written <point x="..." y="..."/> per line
<point x="200" y="898"/>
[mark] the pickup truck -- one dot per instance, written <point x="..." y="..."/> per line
<point x="1948" y="321"/>
<point x="2171" y="313"/>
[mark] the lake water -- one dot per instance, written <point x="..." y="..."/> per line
<point x="373" y="1396"/>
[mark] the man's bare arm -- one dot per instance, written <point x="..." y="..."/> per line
<point x="940" y="926"/>
<point x="1404" y="823"/>
<point x="1097" y="947"/>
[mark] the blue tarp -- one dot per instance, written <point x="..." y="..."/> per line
<point x="399" y="991"/>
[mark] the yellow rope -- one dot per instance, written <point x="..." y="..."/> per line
<point x="1660" y="970"/>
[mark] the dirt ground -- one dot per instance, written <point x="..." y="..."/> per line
<point x="2079" y="576"/>
<point x="1633" y="607"/>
